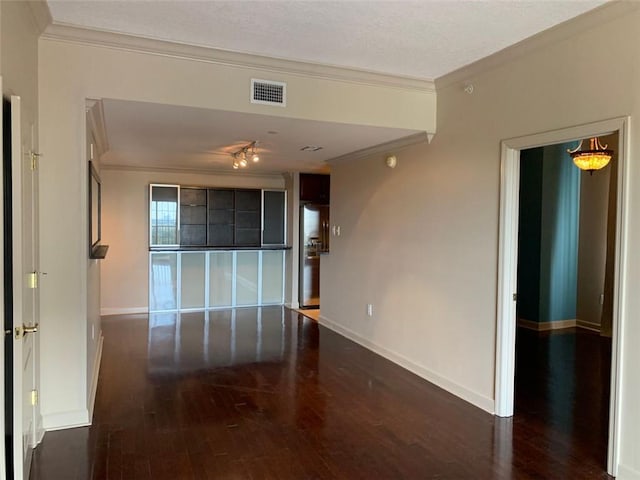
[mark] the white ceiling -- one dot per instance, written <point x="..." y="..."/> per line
<point x="421" y="39"/>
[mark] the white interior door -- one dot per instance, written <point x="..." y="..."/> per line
<point x="25" y="311"/>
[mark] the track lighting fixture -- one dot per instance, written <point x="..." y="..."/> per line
<point x="240" y="157"/>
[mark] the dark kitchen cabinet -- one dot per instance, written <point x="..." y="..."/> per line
<point x="274" y="208"/>
<point x="216" y="217"/>
<point x="193" y="216"/>
<point x="315" y="188"/>
<point x="248" y="221"/>
<point x="221" y="217"/>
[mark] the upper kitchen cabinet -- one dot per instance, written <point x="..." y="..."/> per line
<point x="274" y="207"/>
<point x="163" y="215"/>
<point x="216" y="217"/>
<point x="221" y="217"/>
<point x="248" y="224"/>
<point x="193" y="216"/>
<point x="315" y="188"/>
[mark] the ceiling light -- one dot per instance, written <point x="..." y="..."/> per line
<point x="240" y="156"/>
<point x="595" y="157"/>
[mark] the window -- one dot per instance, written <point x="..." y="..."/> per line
<point x="164" y="215"/>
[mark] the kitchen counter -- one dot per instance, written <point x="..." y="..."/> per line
<point x="223" y="249"/>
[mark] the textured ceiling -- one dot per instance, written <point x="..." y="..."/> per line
<point x="424" y="39"/>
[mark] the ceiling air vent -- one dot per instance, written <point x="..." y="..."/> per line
<point x="267" y="92"/>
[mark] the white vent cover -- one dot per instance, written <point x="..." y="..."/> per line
<point x="268" y="92"/>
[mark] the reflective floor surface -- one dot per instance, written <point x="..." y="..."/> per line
<point x="269" y="394"/>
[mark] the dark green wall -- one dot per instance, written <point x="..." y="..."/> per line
<point x="548" y="236"/>
<point x="529" y="234"/>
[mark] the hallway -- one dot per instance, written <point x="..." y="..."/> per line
<point x="269" y="394"/>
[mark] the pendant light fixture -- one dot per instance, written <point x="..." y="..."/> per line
<point x="597" y="156"/>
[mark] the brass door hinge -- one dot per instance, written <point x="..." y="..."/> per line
<point x="34" y="160"/>
<point x="34" y="397"/>
<point x="32" y="280"/>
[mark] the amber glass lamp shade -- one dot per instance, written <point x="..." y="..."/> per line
<point x="595" y="157"/>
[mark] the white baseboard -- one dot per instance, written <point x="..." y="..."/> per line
<point x="123" y="311"/>
<point x="94" y="380"/>
<point x="558" y="325"/>
<point x="594" y="327"/>
<point x="39" y="435"/>
<point x="627" y="473"/>
<point x="39" y="430"/>
<point x="485" y="403"/>
<point x="63" y="420"/>
<point x="546" y="326"/>
<point x="292" y="305"/>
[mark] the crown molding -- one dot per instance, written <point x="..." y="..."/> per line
<point x="103" y="38"/>
<point x="199" y="171"/>
<point x="609" y="11"/>
<point x="95" y="113"/>
<point x="384" y="148"/>
<point x="41" y="14"/>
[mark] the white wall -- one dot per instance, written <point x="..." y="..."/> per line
<point x="420" y="242"/>
<point x="592" y="248"/>
<point x="125" y="217"/>
<point x="292" y="259"/>
<point x="94" y="325"/>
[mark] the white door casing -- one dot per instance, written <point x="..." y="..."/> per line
<point x="3" y="459"/>
<point x="508" y="264"/>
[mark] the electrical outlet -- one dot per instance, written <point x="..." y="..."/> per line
<point x="369" y="309"/>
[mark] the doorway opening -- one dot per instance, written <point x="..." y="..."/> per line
<point x="313" y="238"/>
<point x="508" y="262"/>
<point x="566" y="240"/>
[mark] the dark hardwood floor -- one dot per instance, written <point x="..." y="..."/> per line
<point x="562" y="394"/>
<point x="269" y="394"/>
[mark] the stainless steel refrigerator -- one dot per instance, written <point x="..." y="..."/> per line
<point x="314" y="241"/>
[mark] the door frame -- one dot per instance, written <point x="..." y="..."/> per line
<point x="3" y="460"/>
<point x="508" y="266"/>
